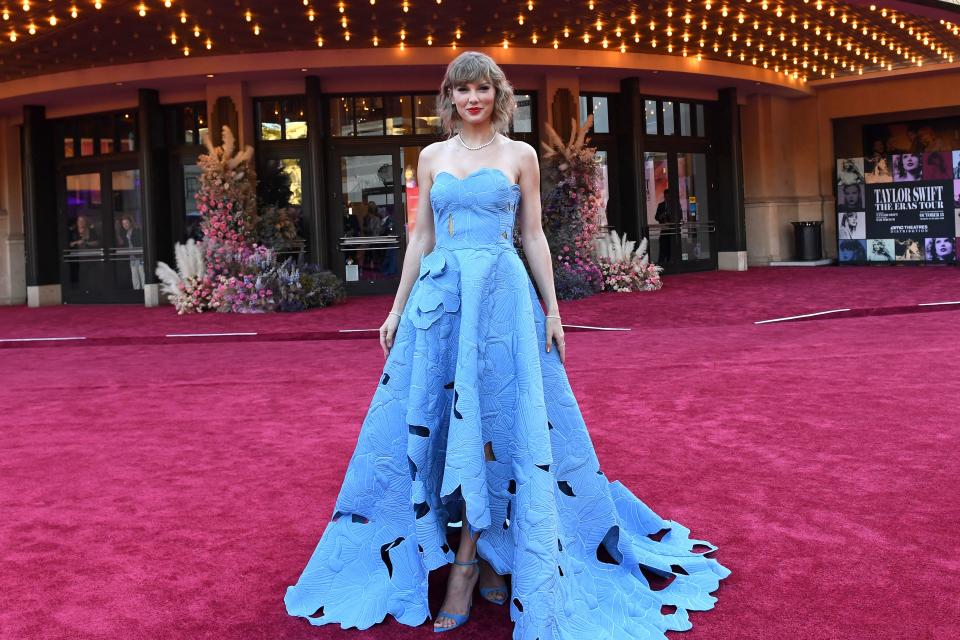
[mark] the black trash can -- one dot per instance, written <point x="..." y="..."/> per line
<point x="808" y="239"/>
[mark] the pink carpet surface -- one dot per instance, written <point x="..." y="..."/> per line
<point x="164" y="489"/>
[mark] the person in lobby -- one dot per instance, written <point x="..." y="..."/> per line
<point x="668" y="214"/>
<point x="130" y="237"/>
<point x="83" y="235"/>
<point x="474" y="427"/>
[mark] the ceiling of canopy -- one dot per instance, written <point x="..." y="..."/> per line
<point x="805" y="39"/>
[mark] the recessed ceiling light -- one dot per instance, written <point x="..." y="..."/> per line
<point x="304" y="69"/>
<point x="209" y="75"/>
<point x="119" y="84"/>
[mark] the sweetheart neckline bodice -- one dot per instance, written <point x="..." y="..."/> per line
<point x="475" y="173"/>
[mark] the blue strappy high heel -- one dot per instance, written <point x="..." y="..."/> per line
<point x="486" y="592"/>
<point x="460" y="620"/>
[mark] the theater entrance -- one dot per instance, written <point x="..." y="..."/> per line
<point x="100" y="228"/>
<point x="374" y="207"/>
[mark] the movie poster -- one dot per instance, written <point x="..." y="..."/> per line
<point x="899" y="207"/>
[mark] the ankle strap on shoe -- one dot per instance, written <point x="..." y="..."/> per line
<point x="466" y="564"/>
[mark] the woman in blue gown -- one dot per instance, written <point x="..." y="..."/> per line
<point x="473" y="422"/>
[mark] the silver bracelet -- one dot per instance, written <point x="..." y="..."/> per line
<point x="549" y="316"/>
<point x="394" y="313"/>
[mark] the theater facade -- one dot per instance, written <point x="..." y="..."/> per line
<point x="756" y="114"/>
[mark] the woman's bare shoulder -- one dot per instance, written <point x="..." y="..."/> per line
<point x="524" y="151"/>
<point x="430" y="155"/>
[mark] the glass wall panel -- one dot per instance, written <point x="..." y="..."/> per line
<point x="692" y="182"/>
<point x="523" y="116"/>
<point x="127" y="132"/>
<point x="370" y="116"/>
<point x="605" y="184"/>
<point x="685" y="129"/>
<point x="87" y="132"/>
<point x="369" y="245"/>
<point x="83" y="256"/>
<point x="656" y="181"/>
<point x="280" y="205"/>
<point x="399" y="115"/>
<point x="669" y="128"/>
<point x="187" y="126"/>
<point x="192" y="216"/>
<point x="126" y="258"/>
<point x="701" y="128"/>
<point x="294" y="121"/>
<point x="341" y="117"/>
<point x="425" y="114"/>
<point x="650" y="113"/>
<point x="269" y="117"/>
<point x="601" y="114"/>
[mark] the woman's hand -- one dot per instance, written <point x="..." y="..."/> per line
<point x="388" y="331"/>
<point x="554" y="330"/>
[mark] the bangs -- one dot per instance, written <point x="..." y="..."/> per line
<point x="469" y="69"/>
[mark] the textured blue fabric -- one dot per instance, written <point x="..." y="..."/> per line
<point x="468" y="369"/>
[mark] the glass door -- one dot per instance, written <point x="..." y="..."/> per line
<point x="371" y="216"/>
<point x="677" y="212"/>
<point x="661" y="210"/>
<point x="101" y="226"/>
<point x="697" y="230"/>
<point x="82" y="255"/>
<point x="284" y="201"/>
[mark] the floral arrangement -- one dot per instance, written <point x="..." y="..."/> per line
<point x="227" y="202"/>
<point x="572" y="210"/>
<point x="304" y="287"/>
<point x="233" y="269"/>
<point x="625" y="269"/>
<point x="188" y="288"/>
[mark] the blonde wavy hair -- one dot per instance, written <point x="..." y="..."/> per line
<point x="473" y="66"/>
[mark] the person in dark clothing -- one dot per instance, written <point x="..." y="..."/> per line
<point x="668" y="213"/>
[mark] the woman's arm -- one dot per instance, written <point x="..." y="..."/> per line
<point x="534" y="241"/>
<point x="422" y="240"/>
<point x="419" y="242"/>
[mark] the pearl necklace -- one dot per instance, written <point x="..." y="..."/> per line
<point x="481" y="146"/>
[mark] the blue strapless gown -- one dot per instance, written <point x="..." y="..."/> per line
<point x="469" y="370"/>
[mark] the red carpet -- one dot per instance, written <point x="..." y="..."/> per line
<point x="175" y="490"/>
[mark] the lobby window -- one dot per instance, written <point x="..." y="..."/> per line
<point x="425" y="114"/>
<point x="398" y="115"/>
<point x="669" y="123"/>
<point x="186" y="123"/>
<point x="599" y="106"/>
<point x="523" y="116"/>
<point x="369" y="116"/>
<point x="97" y="135"/>
<point x="669" y="117"/>
<point x="281" y="118"/>
<point x="650" y="115"/>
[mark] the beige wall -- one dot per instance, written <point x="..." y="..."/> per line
<point x="13" y="288"/>
<point x="788" y="152"/>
